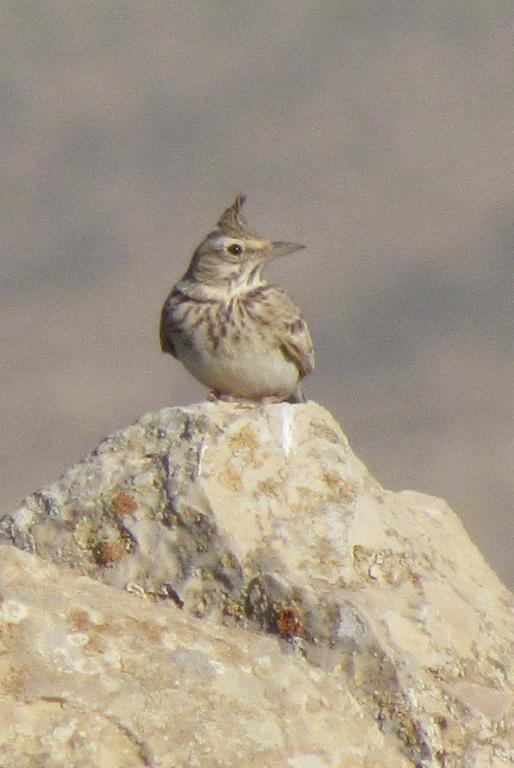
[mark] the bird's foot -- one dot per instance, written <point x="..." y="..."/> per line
<point x="222" y="397"/>
<point x="215" y="396"/>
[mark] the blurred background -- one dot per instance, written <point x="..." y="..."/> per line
<point x="380" y="134"/>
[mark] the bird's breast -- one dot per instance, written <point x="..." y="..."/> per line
<point x="232" y="346"/>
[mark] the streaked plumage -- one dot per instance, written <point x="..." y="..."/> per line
<point x="242" y="338"/>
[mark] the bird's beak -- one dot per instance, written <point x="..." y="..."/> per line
<point x="282" y="249"/>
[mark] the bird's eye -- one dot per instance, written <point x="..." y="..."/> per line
<point x="235" y="249"/>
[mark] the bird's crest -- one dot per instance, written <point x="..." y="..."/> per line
<point x="232" y="222"/>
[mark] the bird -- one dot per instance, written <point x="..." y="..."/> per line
<point x="242" y="338"/>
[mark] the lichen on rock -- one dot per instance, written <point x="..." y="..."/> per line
<point x="262" y="524"/>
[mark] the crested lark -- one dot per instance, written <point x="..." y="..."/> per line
<point x="242" y="338"/>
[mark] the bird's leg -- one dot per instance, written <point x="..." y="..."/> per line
<point x="216" y="396"/>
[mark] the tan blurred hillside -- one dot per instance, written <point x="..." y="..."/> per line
<point x="380" y="136"/>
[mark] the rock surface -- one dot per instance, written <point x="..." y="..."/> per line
<point x="297" y="614"/>
<point x="111" y="681"/>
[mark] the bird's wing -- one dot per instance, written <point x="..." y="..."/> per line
<point x="292" y="332"/>
<point x="166" y="325"/>
<point x="297" y="345"/>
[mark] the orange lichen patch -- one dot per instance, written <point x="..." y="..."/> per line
<point x="124" y="504"/>
<point x="245" y="438"/>
<point x="270" y="488"/>
<point x="14" y="681"/>
<point x="306" y="492"/>
<point x="320" y="429"/>
<point x="246" y="445"/>
<point x="341" y="490"/>
<point x="153" y="632"/>
<point x="288" y="621"/>
<point x="230" y="479"/>
<point x="79" y="620"/>
<point x="108" y="553"/>
<point x="437" y="673"/>
<point x="416" y="580"/>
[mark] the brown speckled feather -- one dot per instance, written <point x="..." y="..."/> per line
<point x="276" y="309"/>
<point x="165" y="330"/>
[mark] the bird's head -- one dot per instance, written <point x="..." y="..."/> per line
<point x="234" y="254"/>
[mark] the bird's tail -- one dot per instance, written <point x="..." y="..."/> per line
<point x="297" y="396"/>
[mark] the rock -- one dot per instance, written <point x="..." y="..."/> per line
<point x="111" y="681"/>
<point x="256" y="531"/>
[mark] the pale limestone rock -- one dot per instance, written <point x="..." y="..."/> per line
<point x="261" y="522"/>
<point x="95" y="678"/>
